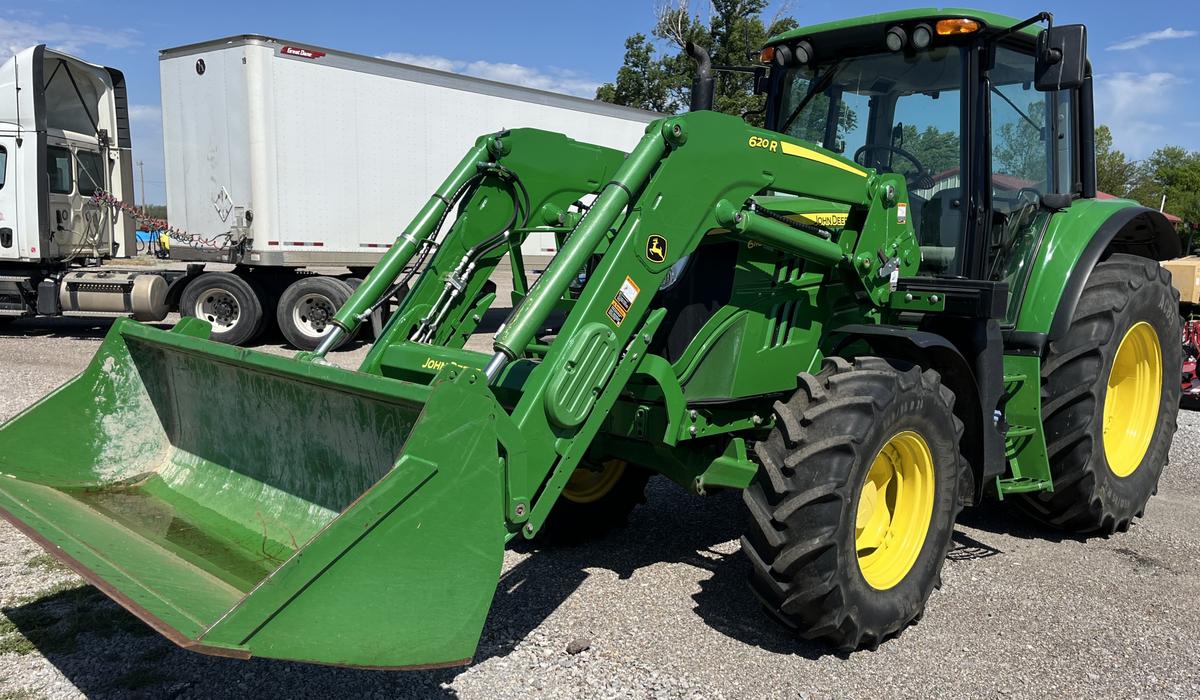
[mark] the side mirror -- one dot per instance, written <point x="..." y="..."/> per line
<point x="1061" y="61"/>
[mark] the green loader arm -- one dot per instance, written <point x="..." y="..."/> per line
<point x="652" y="211"/>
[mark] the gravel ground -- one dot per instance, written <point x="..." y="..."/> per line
<point x="1023" y="611"/>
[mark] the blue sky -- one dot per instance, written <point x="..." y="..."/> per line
<point x="1143" y="53"/>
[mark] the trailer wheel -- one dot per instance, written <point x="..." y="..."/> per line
<point x="1110" y="390"/>
<point x="854" y="503"/>
<point x="306" y="309"/>
<point x="596" y="500"/>
<point x="226" y="301"/>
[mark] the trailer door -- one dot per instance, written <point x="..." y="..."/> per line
<point x="8" y="198"/>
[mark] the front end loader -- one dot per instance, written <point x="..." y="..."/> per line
<point x="897" y="298"/>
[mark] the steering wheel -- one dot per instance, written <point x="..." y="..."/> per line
<point x="923" y="179"/>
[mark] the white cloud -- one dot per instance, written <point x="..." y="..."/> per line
<point x="150" y="114"/>
<point x="552" y="79"/>
<point x="17" y="35"/>
<point x="1137" y="42"/>
<point x="1131" y="104"/>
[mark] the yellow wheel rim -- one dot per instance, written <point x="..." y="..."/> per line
<point x="587" y="485"/>
<point x="1131" y="405"/>
<point x="895" y="506"/>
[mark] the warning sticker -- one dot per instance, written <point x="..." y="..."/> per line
<point x="626" y="295"/>
<point x="616" y="314"/>
<point x="621" y="303"/>
<point x="902" y="213"/>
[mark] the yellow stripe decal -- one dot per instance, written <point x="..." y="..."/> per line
<point x="795" y="150"/>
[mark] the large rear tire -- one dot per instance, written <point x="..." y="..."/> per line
<point x="228" y="302"/>
<point x="853" y="507"/>
<point x="1110" y="390"/>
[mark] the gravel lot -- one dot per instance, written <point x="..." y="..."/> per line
<point x="1023" y="612"/>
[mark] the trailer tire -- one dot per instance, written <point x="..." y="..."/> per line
<point x="839" y="548"/>
<point x="306" y="308"/>
<point x="381" y="316"/>
<point x="596" y="508"/>
<point x="226" y="301"/>
<point x="1127" y="317"/>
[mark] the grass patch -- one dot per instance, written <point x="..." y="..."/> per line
<point x="53" y="620"/>
<point x="45" y="562"/>
<point x="12" y="641"/>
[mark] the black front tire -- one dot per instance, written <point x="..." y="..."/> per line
<point x="804" y="501"/>
<point x="1089" y="497"/>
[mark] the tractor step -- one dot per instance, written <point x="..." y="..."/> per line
<point x="1022" y="485"/>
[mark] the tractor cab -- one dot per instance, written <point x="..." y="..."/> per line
<point x="953" y="103"/>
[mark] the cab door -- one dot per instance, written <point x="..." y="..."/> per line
<point x="9" y="249"/>
<point x="60" y="174"/>
<point x="92" y="223"/>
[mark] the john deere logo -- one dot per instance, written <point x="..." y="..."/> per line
<point x="656" y="248"/>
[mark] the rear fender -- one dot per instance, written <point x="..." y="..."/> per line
<point x="1078" y="238"/>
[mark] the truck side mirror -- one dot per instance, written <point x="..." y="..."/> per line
<point x="1061" y="59"/>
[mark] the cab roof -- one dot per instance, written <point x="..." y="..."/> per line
<point x="990" y="21"/>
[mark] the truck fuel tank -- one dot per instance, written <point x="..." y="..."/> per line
<point x="141" y="294"/>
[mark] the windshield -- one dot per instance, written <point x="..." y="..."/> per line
<point x="897" y="112"/>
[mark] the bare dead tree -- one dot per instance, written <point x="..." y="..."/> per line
<point x="783" y="10"/>
<point x="670" y="17"/>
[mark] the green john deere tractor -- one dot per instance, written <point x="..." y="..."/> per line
<point x="899" y="298"/>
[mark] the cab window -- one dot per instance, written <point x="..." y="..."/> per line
<point x="1033" y="153"/>
<point x="58" y="170"/>
<point x="91" y="172"/>
<point x="896" y="112"/>
<point x="1020" y="132"/>
<point x="3" y="165"/>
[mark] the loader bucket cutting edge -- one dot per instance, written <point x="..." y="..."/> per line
<point x="244" y="504"/>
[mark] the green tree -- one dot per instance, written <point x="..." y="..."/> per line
<point x="158" y="211"/>
<point x="660" y="77"/>
<point x="1173" y="172"/>
<point x="1115" y="174"/>
<point x="936" y="149"/>
<point x="1020" y="148"/>
<point x="810" y="124"/>
<point x="641" y="80"/>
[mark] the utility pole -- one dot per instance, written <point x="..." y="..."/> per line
<point x="142" y="175"/>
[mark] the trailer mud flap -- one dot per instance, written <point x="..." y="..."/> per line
<point x="244" y="504"/>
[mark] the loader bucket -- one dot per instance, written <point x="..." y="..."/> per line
<point x="244" y="504"/>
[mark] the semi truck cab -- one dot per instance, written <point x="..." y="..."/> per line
<point x="64" y="138"/>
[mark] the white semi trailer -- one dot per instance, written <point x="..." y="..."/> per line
<point x="296" y="156"/>
<point x="311" y="157"/>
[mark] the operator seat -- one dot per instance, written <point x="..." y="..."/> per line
<point x="939" y="230"/>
